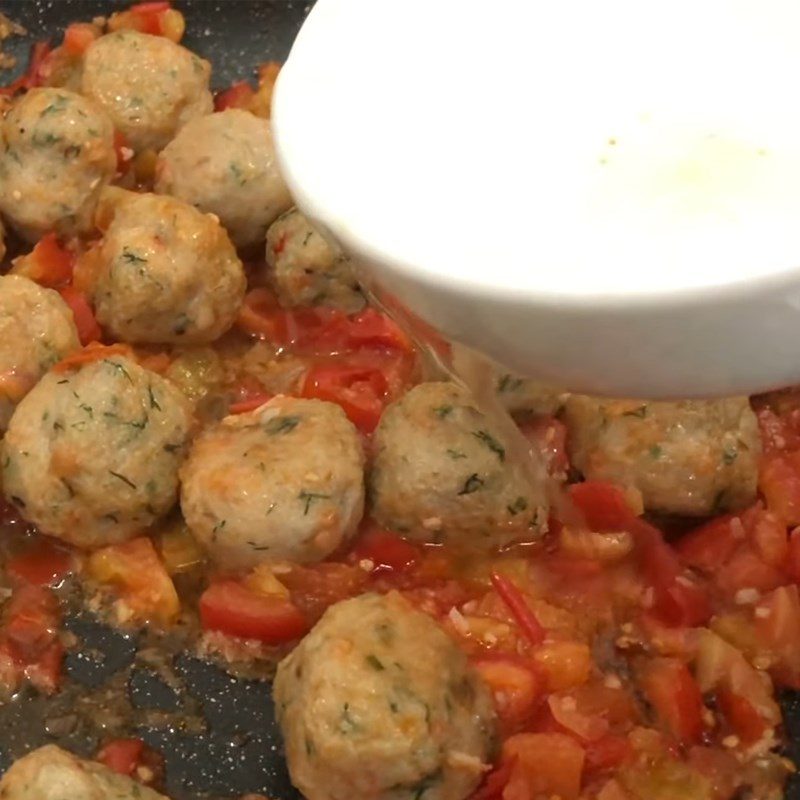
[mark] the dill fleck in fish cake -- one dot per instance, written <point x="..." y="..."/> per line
<point x="285" y="481"/>
<point x="91" y="455"/>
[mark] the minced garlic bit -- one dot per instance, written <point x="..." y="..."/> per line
<point x="730" y="742"/>
<point x="612" y="681"/>
<point x="459" y="623"/>
<point x="747" y="597"/>
<point x="737" y="528"/>
<point x="468" y="763"/>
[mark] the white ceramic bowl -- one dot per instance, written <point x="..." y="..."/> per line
<point x="603" y="195"/>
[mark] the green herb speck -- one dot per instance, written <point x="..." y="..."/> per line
<point x="491" y="443"/>
<point x="282" y="424"/>
<point x="309" y="497"/>
<point x="375" y="663"/>
<point x="471" y="484"/>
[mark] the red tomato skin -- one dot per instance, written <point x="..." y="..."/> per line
<point x="360" y="392"/>
<point x="676" y="697"/>
<point x="607" y="753"/>
<point x="230" y="608"/>
<point x="707" y="547"/>
<point x="42" y="564"/>
<point x="316" y="587"/>
<point x="770" y="539"/>
<point x="237" y="95"/>
<point x="779" y="482"/>
<point x="387" y="551"/>
<point x="122" y="755"/>
<point x="603" y="506"/>
<point x="77" y="38"/>
<point x="29" y="645"/>
<point x="516" y="688"/>
<point x="88" y="329"/>
<point x="45" y="672"/>
<point x="741" y="715"/>
<point x="153" y="6"/>
<point x="55" y="263"/>
<point x="745" y="570"/>
<point x="547" y="764"/>
<point x="682" y="604"/>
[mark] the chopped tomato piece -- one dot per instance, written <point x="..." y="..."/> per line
<point x="678" y="599"/>
<point x="319" y="330"/>
<point x="586" y="727"/>
<point x="231" y="608"/>
<point x="88" y="329"/>
<point x="779" y="482"/>
<point x="547" y="764"/>
<point x="746" y="570"/>
<point x="741" y="715"/>
<point x="603" y="505"/>
<point x="777" y="627"/>
<point x="238" y="95"/>
<point x="78" y="36"/>
<point x="138" y="575"/>
<point x="515" y="686"/>
<point x="369" y="328"/>
<point x="719" y="665"/>
<point x="42" y="564"/>
<point x="122" y="755"/>
<point x="49" y="263"/>
<point x="770" y="539"/>
<point x="519" y="607"/>
<point x="155" y="18"/>
<point x="44" y="673"/>
<point x="315" y="588"/>
<point x="29" y="645"/>
<point x="261" y="315"/>
<point x="387" y="551"/>
<point x="151" y="7"/>
<point x="564" y="664"/>
<point x="675" y="696"/>
<point x="361" y="392"/>
<point x="707" y="547"/>
<point x="683" y="603"/>
<point x="607" y="753"/>
<point x="613" y="791"/>
<point x="719" y="767"/>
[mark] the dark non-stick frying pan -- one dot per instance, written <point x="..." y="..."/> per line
<point x="218" y="734"/>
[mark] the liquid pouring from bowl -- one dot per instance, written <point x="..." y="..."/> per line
<point x="601" y="195"/>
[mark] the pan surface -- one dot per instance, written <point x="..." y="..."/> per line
<point x="217" y="733"/>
